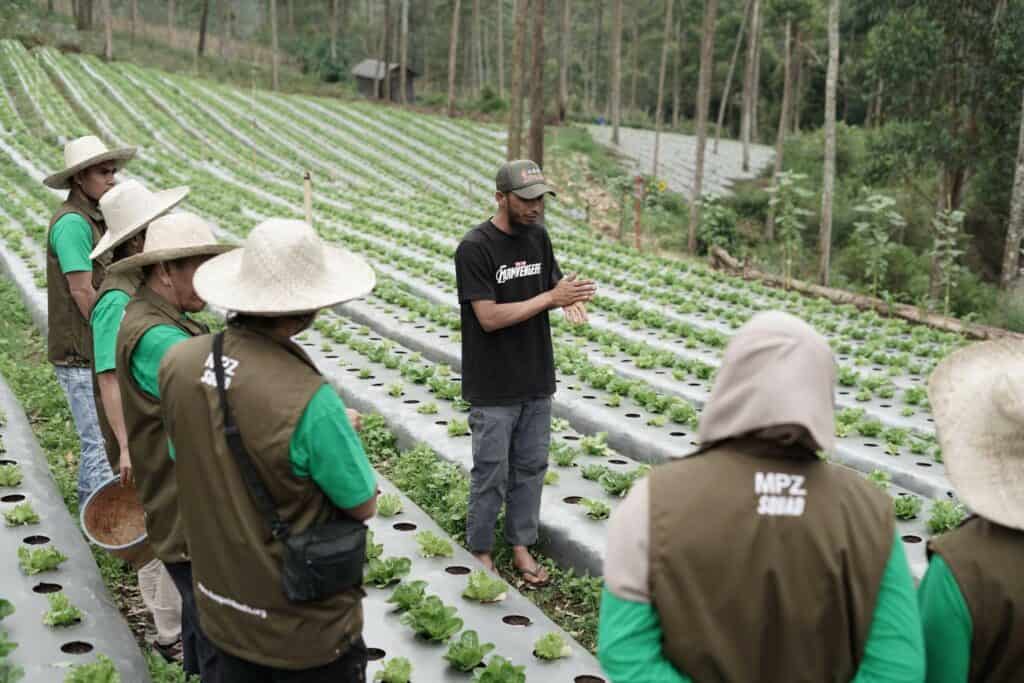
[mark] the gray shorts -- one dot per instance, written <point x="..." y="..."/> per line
<point x="510" y="458"/>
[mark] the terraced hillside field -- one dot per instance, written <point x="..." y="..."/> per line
<point x="401" y="188"/>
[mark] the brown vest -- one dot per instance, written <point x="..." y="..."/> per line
<point x="987" y="560"/>
<point x="69" y="340"/>
<point x="236" y="563"/>
<point x="128" y="283"/>
<point x="765" y="563"/>
<point x="147" y="440"/>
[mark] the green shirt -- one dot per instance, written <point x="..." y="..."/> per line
<point x="71" y="240"/>
<point x="326" y="448"/>
<point x="630" y="635"/>
<point x="948" y="629"/>
<point x="105" y="321"/>
<point x="150" y="351"/>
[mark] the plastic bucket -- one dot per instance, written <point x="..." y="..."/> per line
<point x="113" y="519"/>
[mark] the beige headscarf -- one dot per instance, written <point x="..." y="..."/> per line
<point x="776" y="382"/>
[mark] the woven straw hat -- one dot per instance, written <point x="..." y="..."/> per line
<point x="80" y="154"/>
<point x="128" y="208"/>
<point x="175" y="236"/>
<point x="977" y="398"/>
<point x="283" y="268"/>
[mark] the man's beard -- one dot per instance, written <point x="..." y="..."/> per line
<point x="520" y="227"/>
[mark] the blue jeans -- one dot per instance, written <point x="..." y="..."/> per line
<point x="93" y="467"/>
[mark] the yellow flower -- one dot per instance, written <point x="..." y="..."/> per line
<point x="662" y="186"/>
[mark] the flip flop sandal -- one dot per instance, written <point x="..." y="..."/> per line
<point x="172" y="653"/>
<point x="532" y="577"/>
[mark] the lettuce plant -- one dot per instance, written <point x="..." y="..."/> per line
<point x="485" y="587"/>
<point x="10" y="475"/>
<point x="408" y="594"/>
<point x="906" y="507"/>
<point x="382" y="573"/>
<point x="596" y="509"/>
<point x="466" y="653"/>
<point x="100" y="671"/>
<point x="500" y="670"/>
<point x="20" y="514"/>
<point x="552" y="646"/>
<point x="389" y="504"/>
<point x="433" y="620"/>
<point x="37" y="560"/>
<point x="61" y="612"/>
<point x="432" y="545"/>
<point x="397" y="670"/>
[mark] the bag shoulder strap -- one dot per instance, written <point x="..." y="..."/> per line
<point x="257" y="489"/>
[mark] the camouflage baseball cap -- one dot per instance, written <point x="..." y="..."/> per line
<point x="523" y="177"/>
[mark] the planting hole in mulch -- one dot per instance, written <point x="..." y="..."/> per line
<point x="923" y="464"/>
<point x="374" y="338"/>
<point x="36" y="540"/>
<point x="443" y="336"/>
<point x="844" y="393"/>
<point x="931" y="419"/>
<point x="43" y="588"/>
<point x="911" y="538"/>
<point x="308" y="344"/>
<point x="626" y="360"/>
<point x="457" y="570"/>
<point x="331" y="356"/>
<point x="411" y="401"/>
<point x="516" y="620"/>
<point x="886" y="405"/>
<point x="441" y="422"/>
<point x="352" y="369"/>
<point x="418" y="327"/>
<point x="571" y="437"/>
<point x="572" y="500"/>
<point x="76" y="647"/>
<point x="659" y="372"/>
<point x="374" y="653"/>
<point x="618" y="462"/>
<point x="694" y="384"/>
<point x="633" y="415"/>
<point x="404" y="526"/>
<point x="678" y="434"/>
<point x="377" y="384"/>
<point x="13" y="498"/>
<point x="871" y="445"/>
<point x="8" y="462"/>
<point x="589" y="396"/>
<point x="588" y="679"/>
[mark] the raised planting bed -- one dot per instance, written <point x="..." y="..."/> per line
<point x="46" y="652"/>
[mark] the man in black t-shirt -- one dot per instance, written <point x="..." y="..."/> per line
<point x="508" y="280"/>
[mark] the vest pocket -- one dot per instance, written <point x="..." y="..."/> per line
<point x="324" y="560"/>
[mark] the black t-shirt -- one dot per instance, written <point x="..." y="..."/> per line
<point x="514" y="364"/>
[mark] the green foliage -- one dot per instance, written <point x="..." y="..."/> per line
<point x="37" y="560"/>
<point x="552" y="646"/>
<point x="881" y="479"/>
<point x="408" y="594"/>
<point x="874" y="234"/>
<point x="10" y="475"/>
<point x="396" y="390"/>
<point x="500" y="670"/>
<point x="717" y="225"/>
<point x="427" y="409"/>
<point x="595" y="508"/>
<point x="870" y="428"/>
<point x="906" y="507"/>
<point x="61" y="612"/>
<point x="616" y="483"/>
<point x="396" y="670"/>
<point x="389" y="504"/>
<point x="432" y="545"/>
<point x="21" y="514"/>
<point x="457" y="427"/>
<point x="433" y="620"/>
<point x="466" y="653"/>
<point x="551" y="478"/>
<point x="788" y="197"/>
<point x="162" y="671"/>
<point x="562" y="454"/>
<point x="946" y="250"/>
<point x="594" y="472"/>
<point x="485" y="587"/>
<point x="946" y="516"/>
<point x="596" y="445"/>
<point x="559" y="425"/>
<point x="382" y="573"/>
<point x="373" y="550"/>
<point x="100" y="671"/>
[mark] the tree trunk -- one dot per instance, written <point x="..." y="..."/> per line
<point x="677" y="73"/>
<point x="707" y="56"/>
<point x="634" y="60"/>
<point x="83" y="15"/>
<point x="108" y="29"/>
<point x="1015" y="228"/>
<point x="829" y="176"/>
<point x="728" y="79"/>
<point x="49" y="6"/>
<point x="453" y="48"/>
<point x="746" y="119"/>
<point x="598" y="42"/>
<point x="135" y="19"/>
<point x="403" y="62"/>
<point x="226" y="11"/>
<point x="204" y="17"/>
<point x="666" y="45"/>
<point x="501" y="48"/>
<point x="170" y="20"/>
<point x="878" y="103"/>
<point x="291" y="17"/>
<point x="563" y="70"/>
<point x="780" y="139"/>
<point x="616" y="69"/>
<point x="537" y="86"/>
<point x="755" y="103"/>
<point x="478" y="52"/>
<point x="334" y="30"/>
<point x="273" y="43"/>
<point x="515" y="112"/>
<point x="798" y="81"/>
<point x="386" y="94"/>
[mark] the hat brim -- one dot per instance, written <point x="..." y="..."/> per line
<point x="534" y="191"/>
<point x="165" y="255"/>
<point x="62" y="179"/>
<point x="164" y="201"/>
<point x="222" y="283"/>
<point x="981" y="449"/>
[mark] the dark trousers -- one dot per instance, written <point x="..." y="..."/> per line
<point x="349" y="668"/>
<point x="196" y="649"/>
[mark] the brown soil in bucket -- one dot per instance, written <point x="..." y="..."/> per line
<point x="115" y="516"/>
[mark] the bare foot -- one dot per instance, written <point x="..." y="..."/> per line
<point x="532" y="572"/>
<point x="486" y="560"/>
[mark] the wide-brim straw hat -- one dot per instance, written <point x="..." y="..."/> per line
<point x="977" y="398"/>
<point x="128" y="208"/>
<point x="174" y="236"/>
<point x="283" y="268"/>
<point x="80" y="154"/>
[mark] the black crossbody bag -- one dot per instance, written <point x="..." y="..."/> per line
<point x="319" y="562"/>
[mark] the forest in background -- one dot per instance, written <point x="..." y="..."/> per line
<point x="929" y="98"/>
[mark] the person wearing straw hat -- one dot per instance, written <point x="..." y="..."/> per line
<point x="295" y="467"/>
<point x="128" y="209"/>
<point x="972" y="596"/>
<point x="753" y="559"/>
<point x="71" y="283"/>
<point x="155" y="319"/>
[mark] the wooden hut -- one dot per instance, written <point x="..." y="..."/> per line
<point x="369" y="72"/>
